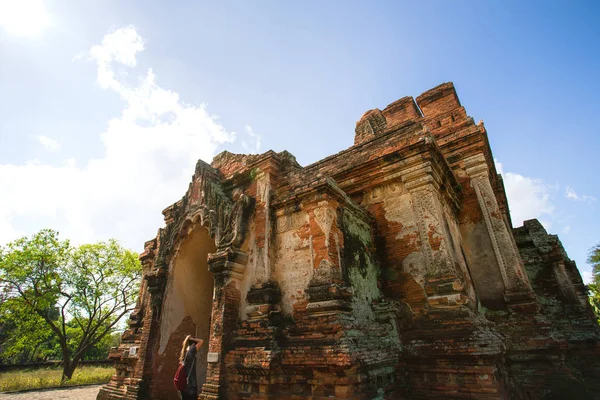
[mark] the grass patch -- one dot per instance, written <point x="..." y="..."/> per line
<point x="50" y="377"/>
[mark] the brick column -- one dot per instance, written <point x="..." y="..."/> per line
<point x="327" y="291"/>
<point x="516" y="283"/>
<point x="228" y="266"/>
<point x="262" y="229"/>
<point x="264" y="294"/>
<point x="445" y="284"/>
<point x="133" y="356"/>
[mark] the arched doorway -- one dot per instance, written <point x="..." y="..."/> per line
<point x="186" y="310"/>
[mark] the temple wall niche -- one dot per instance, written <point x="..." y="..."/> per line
<point x="187" y="307"/>
<point x="292" y="268"/>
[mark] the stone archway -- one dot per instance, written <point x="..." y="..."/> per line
<point x="186" y="309"/>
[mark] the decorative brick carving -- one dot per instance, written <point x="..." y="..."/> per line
<point x="293" y="221"/>
<point x="324" y="217"/>
<point x="371" y="124"/>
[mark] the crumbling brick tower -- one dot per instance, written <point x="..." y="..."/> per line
<point x="389" y="270"/>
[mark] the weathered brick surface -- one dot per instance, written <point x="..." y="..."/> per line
<point x="387" y="271"/>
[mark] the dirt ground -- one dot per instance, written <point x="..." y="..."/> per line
<point x="77" y="393"/>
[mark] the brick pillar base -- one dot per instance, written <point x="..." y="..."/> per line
<point x="228" y="267"/>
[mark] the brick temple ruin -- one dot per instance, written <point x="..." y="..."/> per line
<point x="390" y="270"/>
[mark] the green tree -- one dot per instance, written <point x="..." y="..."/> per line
<point x="594" y="261"/>
<point x="24" y="336"/>
<point x="79" y="293"/>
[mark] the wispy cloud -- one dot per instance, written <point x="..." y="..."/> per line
<point x="566" y="229"/>
<point x="528" y="197"/>
<point x="254" y="141"/>
<point x="148" y="156"/>
<point x="48" y="143"/>
<point x="572" y="195"/>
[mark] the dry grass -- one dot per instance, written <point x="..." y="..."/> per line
<point x="50" y="377"/>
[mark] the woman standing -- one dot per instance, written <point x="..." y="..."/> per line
<point x="188" y="358"/>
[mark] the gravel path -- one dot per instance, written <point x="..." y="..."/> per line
<point x="76" y="393"/>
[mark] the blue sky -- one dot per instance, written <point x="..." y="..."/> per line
<point x="105" y="106"/>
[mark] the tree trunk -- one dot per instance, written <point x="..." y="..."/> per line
<point x="67" y="369"/>
<point x="69" y="365"/>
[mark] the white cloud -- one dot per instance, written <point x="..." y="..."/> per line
<point x="572" y="195"/>
<point x="253" y="144"/>
<point x="527" y="198"/>
<point x="48" y="143"/>
<point x="566" y="229"/>
<point x="150" y="151"/>
<point x="120" y="46"/>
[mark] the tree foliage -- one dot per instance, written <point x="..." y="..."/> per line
<point x="594" y="261"/>
<point x="24" y="337"/>
<point x="75" y="294"/>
